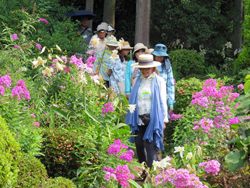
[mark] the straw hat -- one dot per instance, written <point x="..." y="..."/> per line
<point x="125" y="46"/>
<point x="102" y="26"/>
<point x="146" y="61"/>
<point x="111" y="41"/>
<point x="138" y="47"/>
<point x="160" y="50"/>
<point x="149" y="51"/>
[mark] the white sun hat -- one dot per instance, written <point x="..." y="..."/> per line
<point x="146" y="61"/>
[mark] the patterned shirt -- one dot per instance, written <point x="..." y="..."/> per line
<point x="167" y="75"/>
<point x="96" y="45"/>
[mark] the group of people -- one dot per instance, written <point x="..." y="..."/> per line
<point x="146" y="80"/>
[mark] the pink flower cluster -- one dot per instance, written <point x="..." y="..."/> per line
<point x="108" y="107"/>
<point x="174" y="117"/>
<point x="39" y="46"/>
<point x="76" y="61"/>
<point x="5" y="81"/>
<point x="14" y="36"/>
<point x="43" y="20"/>
<point x="120" y="173"/>
<point x="212" y="166"/>
<point x="90" y="62"/>
<point x="180" y="178"/>
<point x="127" y="156"/>
<point x="20" y="90"/>
<point x="204" y="123"/>
<point x="116" y="147"/>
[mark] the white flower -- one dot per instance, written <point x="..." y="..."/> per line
<point x="236" y="52"/>
<point x="120" y="43"/>
<point x="59" y="66"/>
<point x="43" y="49"/>
<point x="23" y="69"/>
<point x="38" y="61"/>
<point x="82" y="78"/>
<point x="131" y="108"/>
<point x="95" y="41"/>
<point x="179" y="149"/>
<point x="49" y="56"/>
<point x="228" y="45"/>
<point x="203" y="52"/>
<point x="58" y="48"/>
<point x="189" y="155"/>
<point x="114" y="54"/>
<point x="162" y="164"/>
<point x="59" y="59"/>
<point x="48" y="71"/>
<point x="199" y="151"/>
<point x="96" y="79"/>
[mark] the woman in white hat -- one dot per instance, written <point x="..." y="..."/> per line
<point x="131" y="72"/>
<point x="111" y="31"/>
<point x="150" y="115"/>
<point x="117" y="78"/>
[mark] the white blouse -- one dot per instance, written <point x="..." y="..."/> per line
<point x="144" y="95"/>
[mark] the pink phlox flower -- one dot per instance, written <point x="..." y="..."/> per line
<point x="55" y="60"/>
<point x="20" y="91"/>
<point x="210" y="82"/>
<point x="65" y="59"/>
<point x="67" y="69"/>
<point x="127" y="156"/>
<point x="76" y="61"/>
<point x="16" y="46"/>
<point x="234" y="120"/>
<point x="91" y="60"/>
<point x="2" y="90"/>
<point x="14" y="36"/>
<point x="33" y="115"/>
<point x="174" y="117"/>
<point x="240" y="86"/>
<point x="53" y="65"/>
<point x="53" y="105"/>
<point x="24" y="9"/>
<point x="37" y="124"/>
<point x="181" y="178"/>
<point x="43" y="20"/>
<point x="39" y="46"/>
<point x="5" y="81"/>
<point x="205" y="124"/>
<point x="116" y="147"/>
<point x="63" y="87"/>
<point x="212" y="166"/>
<point x="108" y="107"/>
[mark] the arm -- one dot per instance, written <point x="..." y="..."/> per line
<point x="170" y="89"/>
<point x="128" y="75"/>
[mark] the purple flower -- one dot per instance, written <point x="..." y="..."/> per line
<point x="15" y="46"/>
<point x="116" y="147"/>
<point x="5" y="80"/>
<point x="2" y="90"/>
<point x="20" y="91"/>
<point x="63" y="87"/>
<point x="33" y="115"/>
<point x="212" y="166"/>
<point x="240" y="86"/>
<point x="24" y="9"/>
<point x="37" y="124"/>
<point x="14" y="36"/>
<point x="43" y="20"/>
<point x="108" y="107"/>
<point x="39" y="46"/>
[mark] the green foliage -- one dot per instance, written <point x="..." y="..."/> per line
<point x="185" y="88"/>
<point x="187" y="63"/>
<point x="9" y="153"/>
<point x="32" y="172"/>
<point x="60" y="182"/>
<point x="243" y="60"/>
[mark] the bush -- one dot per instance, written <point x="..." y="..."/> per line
<point x="60" y="152"/>
<point x="60" y="182"/>
<point x="243" y="60"/>
<point x="32" y="172"/>
<point x="187" y="63"/>
<point x="184" y="91"/>
<point x="9" y="152"/>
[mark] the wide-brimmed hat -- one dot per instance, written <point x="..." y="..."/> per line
<point x="138" y="47"/>
<point x="124" y="45"/>
<point x="160" y="50"/>
<point x="149" y="51"/>
<point x="102" y="26"/>
<point x="146" y="61"/>
<point x="111" y="41"/>
<point x="110" y="28"/>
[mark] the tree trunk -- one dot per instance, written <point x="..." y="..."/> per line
<point x="237" y="24"/>
<point x="142" y="22"/>
<point x="89" y="7"/>
<point x="109" y="12"/>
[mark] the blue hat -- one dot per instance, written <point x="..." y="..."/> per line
<point x="160" y="50"/>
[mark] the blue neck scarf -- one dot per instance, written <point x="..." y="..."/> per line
<point x="154" y="131"/>
<point x="165" y="64"/>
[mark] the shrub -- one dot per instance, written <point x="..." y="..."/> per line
<point x="9" y="151"/>
<point x="60" y="182"/>
<point x="185" y="88"/>
<point x="59" y="149"/>
<point x="187" y="63"/>
<point x="32" y="172"/>
<point x="243" y="60"/>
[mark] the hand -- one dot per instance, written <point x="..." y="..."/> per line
<point x="164" y="127"/>
<point x="127" y="96"/>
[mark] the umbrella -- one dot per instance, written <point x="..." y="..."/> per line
<point x="78" y="14"/>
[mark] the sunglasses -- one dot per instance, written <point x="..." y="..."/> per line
<point x="101" y="31"/>
<point x="161" y="47"/>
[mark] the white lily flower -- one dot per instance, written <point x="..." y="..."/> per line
<point x="49" y="57"/>
<point x="59" y="66"/>
<point x="189" y="155"/>
<point x="38" y="61"/>
<point x="131" y="108"/>
<point x="199" y="151"/>
<point x="58" y="48"/>
<point x="228" y="45"/>
<point x="82" y="78"/>
<point x="59" y="59"/>
<point x="114" y="54"/>
<point x="96" y="79"/>
<point x="48" y="71"/>
<point x="180" y="150"/>
<point x="43" y="49"/>
<point x="23" y="69"/>
<point x="162" y="164"/>
<point x="95" y="41"/>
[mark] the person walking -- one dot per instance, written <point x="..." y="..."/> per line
<point x="103" y="62"/>
<point x="84" y="30"/>
<point x="132" y="72"/>
<point x="117" y="78"/>
<point x="150" y="115"/>
<point x="165" y="71"/>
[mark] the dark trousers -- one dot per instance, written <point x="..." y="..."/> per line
<point x="146" y="151"/>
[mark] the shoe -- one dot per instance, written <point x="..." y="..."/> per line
<point x="142" y="176"/>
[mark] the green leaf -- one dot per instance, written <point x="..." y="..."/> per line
<point x="134" y="184"/>
<point x="235" y="157"/>
<point x="235" y="126"/>
<point x="91" y="116"/>
<point x="247" y="86"/>
<point x="235" y="140"/>
<point x="247" y="132"/>
<point x="59" y="112"/>
<point x="236" y="166"/>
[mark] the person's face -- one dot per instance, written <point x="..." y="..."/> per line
<point x="84" y="22"/>
<point x="111" y="33"/>
<point x="159" y="58"/>
<point x="138" y="53"/>
<point x="111" y="48"/>
<point x="146" y="72"/>
<point x="102" y="34"/>
<point x="125" y="52"/>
